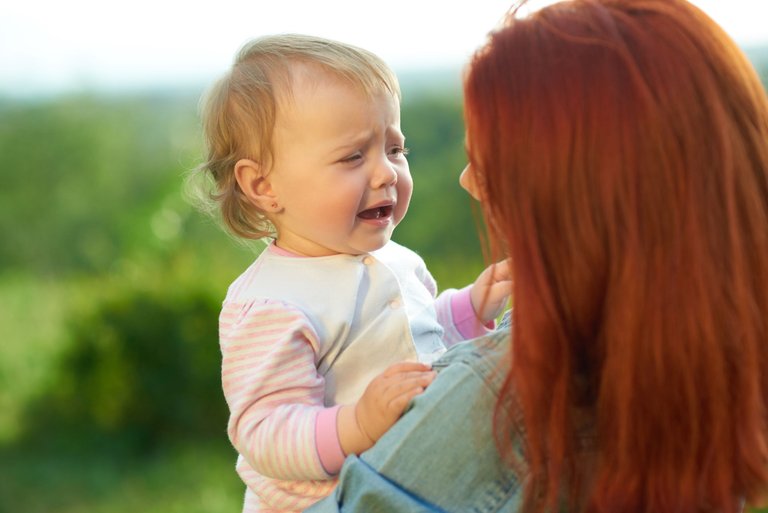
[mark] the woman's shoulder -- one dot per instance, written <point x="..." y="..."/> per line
<point x="488" y="357"/>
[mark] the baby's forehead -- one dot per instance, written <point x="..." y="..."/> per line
<point x="302" y="75"/>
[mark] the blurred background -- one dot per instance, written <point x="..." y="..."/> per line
<point x="111" y="282"/>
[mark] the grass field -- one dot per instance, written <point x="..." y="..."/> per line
<point x="191" y="478"/>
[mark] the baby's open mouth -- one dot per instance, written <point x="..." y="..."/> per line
<point x="376" y="213"/>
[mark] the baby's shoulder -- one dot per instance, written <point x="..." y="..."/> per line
<point x="397" y="255"/>
<point x="265" y="274"/>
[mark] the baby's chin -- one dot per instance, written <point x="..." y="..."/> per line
<point x="374" y="245"/>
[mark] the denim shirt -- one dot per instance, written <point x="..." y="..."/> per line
<point x="441" y="456"/>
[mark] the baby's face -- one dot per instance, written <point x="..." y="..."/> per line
<point x="339" y="170"/>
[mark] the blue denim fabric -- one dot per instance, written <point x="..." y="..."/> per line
<point x="441" y="456"/>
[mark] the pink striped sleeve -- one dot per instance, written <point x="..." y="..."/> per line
<point x="272" y="388"/>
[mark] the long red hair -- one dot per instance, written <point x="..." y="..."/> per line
<point x="621" y="152"/>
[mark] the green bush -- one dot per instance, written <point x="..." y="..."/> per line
<point x="143" y="367"/>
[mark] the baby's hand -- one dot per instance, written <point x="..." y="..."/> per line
<point x="491" y="290"/>
<point x="388" y="394"/>
<point x="382" y="404"/>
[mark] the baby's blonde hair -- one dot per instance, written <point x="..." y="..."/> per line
<point x="239" y="111"/>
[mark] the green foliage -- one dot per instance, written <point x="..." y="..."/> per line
<point x="190" y="478"/>
<point x="83" y="176"/>
<point x="440" y="224"/>
<point x="31" y="319"/>
<point x="142" y="367"/>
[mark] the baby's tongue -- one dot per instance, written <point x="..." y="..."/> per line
<point x="371" y="213"/>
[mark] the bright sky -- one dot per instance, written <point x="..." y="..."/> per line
<point x="52" y="45"/>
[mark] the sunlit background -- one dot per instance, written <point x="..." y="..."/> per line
<point x="111" y="281"/>
<point x="50" y="47"/>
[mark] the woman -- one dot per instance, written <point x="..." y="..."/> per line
<point x="619" y="149"/>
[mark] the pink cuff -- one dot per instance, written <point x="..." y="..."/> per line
<point x="327" y="440"/>
<point x="464" y="316"/>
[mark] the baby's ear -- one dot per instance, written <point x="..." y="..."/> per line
<point x="256" y="185"/>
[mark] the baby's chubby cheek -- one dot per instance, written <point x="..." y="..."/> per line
<point x="400" y="210"/>
<point x="404" y="191"/>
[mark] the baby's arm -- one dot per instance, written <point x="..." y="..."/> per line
<point x="470" y="312"/>
<point x="275" y="393"/>
<point x="272" y="387"/>
<point x="360" y="425"/>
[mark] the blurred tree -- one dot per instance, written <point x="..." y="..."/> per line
<point x="440" y="224"/>
<point x="81" y="174"/>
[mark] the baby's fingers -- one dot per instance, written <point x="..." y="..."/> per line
<point x="405" y="367"/>
<point x="398" y="393"/>
<point x="499" y="272"/>
<point x="406" y="390"/>
<point x="399" y="402"/>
